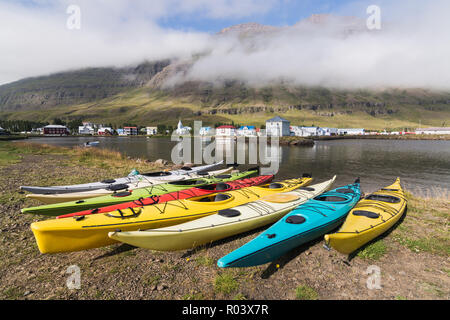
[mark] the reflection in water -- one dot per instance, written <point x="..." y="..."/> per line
<point x="420" y="164"/>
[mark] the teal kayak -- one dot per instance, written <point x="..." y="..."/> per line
<point x="132" y="195"/>
<point x="308" y="221"/>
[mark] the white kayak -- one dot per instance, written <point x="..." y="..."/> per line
<point x="74" y="196"/>
<point x="153" y="177"/>
<point x="224" y="223"/>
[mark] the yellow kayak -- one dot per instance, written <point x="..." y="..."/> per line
<point x="79" y="233"/>
<point x="371" y="217"/>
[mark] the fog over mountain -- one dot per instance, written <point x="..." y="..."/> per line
<point x="336" y="51"/>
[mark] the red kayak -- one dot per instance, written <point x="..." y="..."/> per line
<point x="177" y="195"/>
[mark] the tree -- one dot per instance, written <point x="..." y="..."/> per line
<point x="58" y="121"/>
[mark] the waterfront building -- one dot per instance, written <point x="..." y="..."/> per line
<point x="278" y="127"/>
<point x="151" y="130"/>
<point x="442" y="130"/>
<point x="105" y="131"/>
<point x="225" y="131"/>
<point x="182" y="130"/>
<point x="56" y="130"/>
<point x="246" y="131"/>
<point x="86" y="128"/>
<point x="351" y="131"/>
<point x="130" y="131"/>
<point x="206" y="131"/>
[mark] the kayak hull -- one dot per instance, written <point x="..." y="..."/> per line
<point x="163" y="177"/>
<point x="303" y="224"/>
<point x="74" y="196"/>
<point x="91" y="231"/>
<point x="177" y="195"/>
<point x="358" y="230"/>
<point x="215" y="227"/>
<point x="130" y="195"/>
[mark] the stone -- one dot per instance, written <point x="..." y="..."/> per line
<point x="161" y="162"/>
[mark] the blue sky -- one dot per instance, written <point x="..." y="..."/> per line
<point x="281" y="13"/>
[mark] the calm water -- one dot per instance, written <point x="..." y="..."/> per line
<point x="422" y="165"/>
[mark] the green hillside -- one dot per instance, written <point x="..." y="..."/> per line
<point x="135" y="95"/>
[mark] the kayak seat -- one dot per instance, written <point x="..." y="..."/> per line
<point x="345" y="190"/>
<point x="307" y="188"/>
<point x="330" y="198"/>
<point x="223" y="176"/>
<point x="222" y="186"/>
<point x="383" y="198"/>
<point x="216" y="198"/>
<point x="228" y="213"/>
<point x="295" y="219"/>
<point x="368" y="214"/>
<point x="186" y="168"/>
<point x="108" y="181"/>
<point x="275" y="185"/>
<point x="187" y="182"/>
<point x="116" y="187"/>
<point x="387" y="189"/>
<point x="157" y="174"/>
<point x="221" y="197"/>
<point x="203" y="173"/>
<point x="121" y="194"/>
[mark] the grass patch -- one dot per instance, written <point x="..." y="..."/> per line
<point x="193" y="296"/>
<point x="204" y="261"/>
<point x="153" y="281"/>
<point x="304" y="292"/>
<point x="13" y="293"/>
<point x="373" y="251"/>
<point x="225" y="283"/>
<point x="435" y="245"/>
<point x="239" y="296"/>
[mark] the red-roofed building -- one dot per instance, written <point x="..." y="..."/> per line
<point x="226" y="131"/>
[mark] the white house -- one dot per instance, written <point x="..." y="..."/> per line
<point x="151" y="130"/>
<point x="443" y="130"/>
<point x="351" y="131"/>
<point x="206" y="131"/>
<point x="246" y="131"/>
<point x="328" y="131"/>
<point x="305" y="131"/>
<point x="278" y="126"/>
<point x="181" y="130"/>
<point x="86" y="129"/>
<point x="105" y="131"/>
<point x="225" y="131"/>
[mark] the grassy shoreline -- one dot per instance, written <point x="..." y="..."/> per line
<point x="413" y="257"/>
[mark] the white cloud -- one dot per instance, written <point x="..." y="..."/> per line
<point x="411" y="50"/>
<point x="35" y="40"/>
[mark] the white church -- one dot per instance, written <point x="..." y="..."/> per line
<point x="181" y="130"/>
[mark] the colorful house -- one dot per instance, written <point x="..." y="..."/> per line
<point x="225" y="131"/>
<point x="246" y="131"/>
<point x="130" y="131"/>
<point x="56" y="130"/>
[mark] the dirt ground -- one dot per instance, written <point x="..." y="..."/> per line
<point x="408" y="269"/>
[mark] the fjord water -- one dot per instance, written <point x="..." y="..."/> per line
<point x="423" y="166"/>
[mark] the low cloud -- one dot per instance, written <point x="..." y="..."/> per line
<point x="411" y="49"/>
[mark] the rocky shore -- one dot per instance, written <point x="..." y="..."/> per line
<point x="413" y="257"/>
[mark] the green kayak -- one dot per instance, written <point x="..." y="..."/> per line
<point x="133" y="195"/>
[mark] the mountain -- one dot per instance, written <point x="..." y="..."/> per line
<point x="158" y="92"/>
<point x="73" y="87"/>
